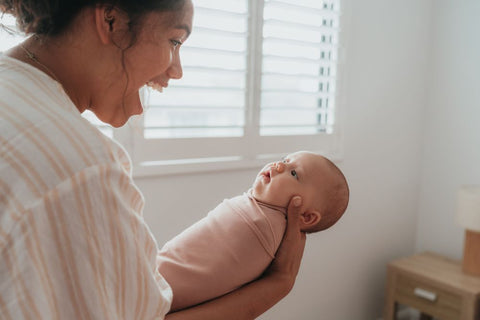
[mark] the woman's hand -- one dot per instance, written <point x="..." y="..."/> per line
<point x="286" y="264"/>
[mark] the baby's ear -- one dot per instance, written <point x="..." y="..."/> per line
<point x="309" y="219"/>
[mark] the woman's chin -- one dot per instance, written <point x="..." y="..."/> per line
<point x="118" y="124"/>
<point x="132" y="107"/>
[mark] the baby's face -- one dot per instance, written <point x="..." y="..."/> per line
<point x="299" y="173"/>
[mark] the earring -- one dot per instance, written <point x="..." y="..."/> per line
<point x="110" y="19"/>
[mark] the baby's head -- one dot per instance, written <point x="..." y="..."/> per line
<point x="322" y="186"/>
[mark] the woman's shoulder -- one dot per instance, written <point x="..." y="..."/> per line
<point x="41" y="124"/>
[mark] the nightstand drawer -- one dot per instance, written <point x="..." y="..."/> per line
<point x="433" y="284"/>
<point x="427" y="298"/>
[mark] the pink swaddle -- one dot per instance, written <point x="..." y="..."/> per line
<point x="228" y="248"/>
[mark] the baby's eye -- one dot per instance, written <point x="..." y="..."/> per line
<point x="294" y="174"/>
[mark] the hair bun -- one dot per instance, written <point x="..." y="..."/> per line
<point x="33" y="16"/>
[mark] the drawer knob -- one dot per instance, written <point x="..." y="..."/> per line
<point x="425" y="294"/>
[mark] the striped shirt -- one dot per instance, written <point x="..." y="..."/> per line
<point x="73" y="242"/>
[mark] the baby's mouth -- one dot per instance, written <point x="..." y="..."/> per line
<point x="266" y="175"/>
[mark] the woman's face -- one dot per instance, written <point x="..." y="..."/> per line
<point x="154" y="59"/>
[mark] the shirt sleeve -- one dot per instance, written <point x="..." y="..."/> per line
<point x="83" y="251"/>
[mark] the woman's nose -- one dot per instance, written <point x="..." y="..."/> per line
<point x="175" y="70"/>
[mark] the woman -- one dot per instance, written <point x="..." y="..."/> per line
<point x="72" y="237"/>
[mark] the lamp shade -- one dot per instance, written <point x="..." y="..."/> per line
<point x="468" y="207"/>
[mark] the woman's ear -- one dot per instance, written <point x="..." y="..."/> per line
<point x="309" y="218"/>
<point x="109" y="20"/>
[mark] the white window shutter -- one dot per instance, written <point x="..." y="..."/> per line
<point x="300" y="42"/>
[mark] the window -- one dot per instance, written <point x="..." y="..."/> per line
<point x="261" y="79"/>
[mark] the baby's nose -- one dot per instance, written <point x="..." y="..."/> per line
<point x="280" y="166"/>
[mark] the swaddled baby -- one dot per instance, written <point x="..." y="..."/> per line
<point x="237" y="240"/>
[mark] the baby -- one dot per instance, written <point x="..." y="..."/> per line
<point x="237" y="241"/>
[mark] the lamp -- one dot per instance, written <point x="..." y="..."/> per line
<point x="468" y="216"/>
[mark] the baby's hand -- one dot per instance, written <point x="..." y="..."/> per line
<point x="289" y="255"/>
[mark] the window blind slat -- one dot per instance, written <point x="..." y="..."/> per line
<point x="289" y="77"/>
<point x="204" y="69"/>
<point x="230" y="7"/>
<point x="324" y="56"/>
<point x="197" y="127"/>
<point x="224" y="60"/>
<point x="301" y="25"/>
<point x="190" y="88"/>
<point x="316" y="5"/>
<point x="209" y="78"/>
<point x="176" y="96"/>
<point x="218" y="42"/>
<point x="195" y="108"/>
<point x="230" y="33"/>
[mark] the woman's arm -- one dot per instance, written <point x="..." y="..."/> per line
<point x="253" y="299"/>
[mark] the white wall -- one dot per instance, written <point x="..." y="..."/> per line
<point x="343" y="272"/>
<point x="451" y="156"/>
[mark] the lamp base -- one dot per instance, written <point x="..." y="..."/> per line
<point x="471" y="253"/>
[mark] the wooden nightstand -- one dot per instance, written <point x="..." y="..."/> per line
<point x="434" y="285"/>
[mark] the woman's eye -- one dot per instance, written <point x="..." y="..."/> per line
<point x="294" y="173"/>
<point x="176" y="43"/>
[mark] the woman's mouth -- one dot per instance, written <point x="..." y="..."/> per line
<point x="155" y="86"/>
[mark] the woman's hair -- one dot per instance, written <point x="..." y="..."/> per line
<point x="53" y="17"/>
